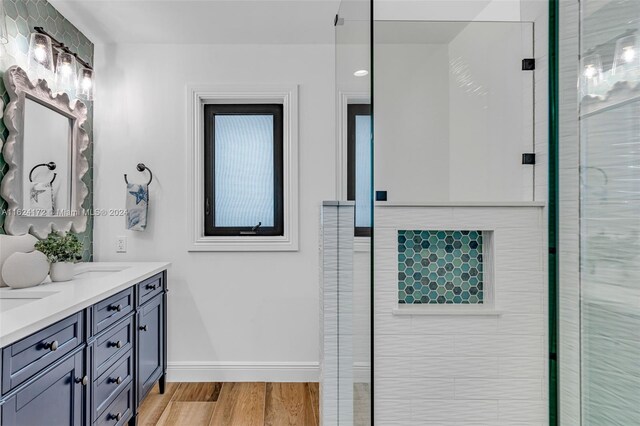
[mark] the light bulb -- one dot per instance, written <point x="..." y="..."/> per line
<point x="361" y="73"/>
<point x="86" y="83"/>
<point x="590" y="71"/>
<point x="628" y="54"/>
<point x="40" y="53"/>
<point x="65" y="69"/>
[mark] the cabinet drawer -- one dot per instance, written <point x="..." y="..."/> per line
<point x="120" y="410"/>
<point x="112" y="344"/>
<point x="112" y="382"/>
<point x="25" y="358"/>
<point x="111" y="310"/>
<point x="150" y="287"/>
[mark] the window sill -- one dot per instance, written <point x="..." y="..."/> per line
<point x="460" y="310"/>
<point x="245" y="243"/>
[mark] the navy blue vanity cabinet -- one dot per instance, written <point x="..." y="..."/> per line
<point x="54" y="397"/>
<point x="92" y="368"/>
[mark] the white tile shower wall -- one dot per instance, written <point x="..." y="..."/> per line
<point x="336" y="313"/>
<point x="464" y="369"/>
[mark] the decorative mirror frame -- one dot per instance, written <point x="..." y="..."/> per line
<point x="20" y="87"/>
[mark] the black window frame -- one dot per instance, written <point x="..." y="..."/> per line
<point x="210" y="111"/>
<point x="354" y="110"/>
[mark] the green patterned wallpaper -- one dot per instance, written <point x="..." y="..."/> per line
<point x="440" y="267"/>
<point x="22" y="16"/>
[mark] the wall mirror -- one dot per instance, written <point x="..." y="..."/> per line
<point x="45" y="153"/>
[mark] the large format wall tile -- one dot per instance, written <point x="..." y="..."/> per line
<point x="22" y="17"/>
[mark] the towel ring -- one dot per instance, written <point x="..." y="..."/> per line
<point x="141" y="168"/>
<point x="51" y="166"/>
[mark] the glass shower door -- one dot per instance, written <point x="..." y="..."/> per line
<point x="354" y="185"/>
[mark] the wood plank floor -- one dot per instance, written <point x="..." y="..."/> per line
<point x="232" y="404"/>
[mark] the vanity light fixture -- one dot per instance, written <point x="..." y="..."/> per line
<point x="66" y="73"/>
<point x="626" y="62"/>
<point x="361" y="73"/>
<point x="41" y="53"/>
<point x="86" y="84"/>
<point x="591" y="76"/>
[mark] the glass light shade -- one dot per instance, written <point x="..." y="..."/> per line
<point x="66" y="77"/>
<point x="4" y="35"/>
<point x="86" y="84"/>
<point x="590" y="75"/>
<point x="626" y="63"/>
<point x="40" y="52"/>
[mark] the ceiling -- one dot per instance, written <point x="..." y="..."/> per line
<point x="204" y="21"/>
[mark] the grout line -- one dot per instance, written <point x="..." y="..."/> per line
<point x="264" y="406"/>
<point x="213" y="414"/>
<point x="313" y="407"/>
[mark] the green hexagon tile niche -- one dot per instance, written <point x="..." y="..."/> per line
<point x="22" y="16"/>
<point x="440" y="267"/>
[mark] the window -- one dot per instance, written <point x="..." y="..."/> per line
<point x="359" y="159"/>
<point x="243" y="170"/>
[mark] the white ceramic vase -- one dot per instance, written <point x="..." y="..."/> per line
<point x="22" y="270"/>
<point x="62" y="271"/>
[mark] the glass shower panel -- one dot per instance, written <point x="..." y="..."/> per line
<point x="354" y="142"/>
<point x="610" y="213"/>
<point x="454" y="110"/>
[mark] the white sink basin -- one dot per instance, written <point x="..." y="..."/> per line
<point x="89" y="270"/>
<point x="10" y="299"/>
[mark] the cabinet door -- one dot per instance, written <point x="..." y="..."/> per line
<point x="150" y="344"/>
<point x="54" y="398"/>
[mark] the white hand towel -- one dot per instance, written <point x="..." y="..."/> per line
<point x="137" y="203"/>
<point x="41" y="199"/>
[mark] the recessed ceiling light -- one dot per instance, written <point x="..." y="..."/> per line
<point x="361" y="73"/>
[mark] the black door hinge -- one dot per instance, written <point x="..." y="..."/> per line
<point x="381" y="195"/>
<point x="529" y="158"/>
<point x="528" y="64"/>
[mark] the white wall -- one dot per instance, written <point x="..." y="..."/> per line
<point x="232" y="316"/>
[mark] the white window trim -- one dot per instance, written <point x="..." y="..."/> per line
<point x="197" y="97"/>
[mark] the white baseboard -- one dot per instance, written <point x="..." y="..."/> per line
<point x="362" y="372"/>
<point x="243" y="372"/>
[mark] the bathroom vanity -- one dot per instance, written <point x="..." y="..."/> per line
<point x="85" y="351"/>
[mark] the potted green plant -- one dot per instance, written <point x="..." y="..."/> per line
<point x="63" y="250"/>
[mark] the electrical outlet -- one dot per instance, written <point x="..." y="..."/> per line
<point x="121" y="245"/>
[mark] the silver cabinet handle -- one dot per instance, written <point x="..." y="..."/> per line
<point x="117" y="380"/>
<point x="52" y="346"/>
<point x="116" y="417"/>
<point x="117" y="344"/>
<point x="84" y="380"/>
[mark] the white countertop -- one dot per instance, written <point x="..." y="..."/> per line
<point x="94" y="282"/>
